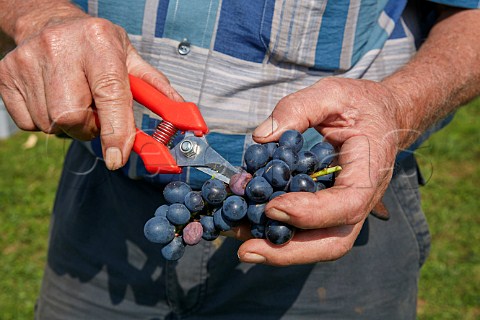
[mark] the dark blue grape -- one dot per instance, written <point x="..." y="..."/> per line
<point x="277" y="173"/>
<point x="214" y="192"/>
<point x="194" y="201"/>
<point x="276" y="194"/>
<point x="256" y="156"/>
<point x="174" y="250"/>
<point x="307" y="162"/>
<point x="178" y="214"/>
<point x="162" y="211"/>
<point x="325" y="154"/>
<point x="234" y="208"/>
<point x="259" y="172"/>
<point x="256" y="213"/>
<point x="328" y="180"/>
<point x="271" y="147"/>
<point x="221" y="223"/>
<point x="302" y="183"/>
<point x="292" y="139"/>
<point x="278" y="232"/>
<point x="159" y="230"/>
<point x="209" y="231"/>
<point x="288" y="155"/>
<point x="175" y="191"/>
<point x="258" y="190"/>
<point x="320" y="186"/>
<point x="258" y="231"/>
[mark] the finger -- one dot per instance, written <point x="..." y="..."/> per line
<point x="141" y="69"/>
<point x="69" y="101"/>
<point x="37" y="106"/>
<point x="16" y="107"/>
<point x="25" y="104"/>
<point x="307" y="246"/>
<point x="298" y="111"/>
<point x="107" y="76"/>
<point x="357" y="188"/>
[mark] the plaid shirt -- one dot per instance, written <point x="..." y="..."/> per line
<point x="242" y="56"/>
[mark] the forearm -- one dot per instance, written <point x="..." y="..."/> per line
<point x="19" y="19"/>
<point x="441" y="77"/>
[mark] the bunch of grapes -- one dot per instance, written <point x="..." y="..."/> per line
<point x="272" y="169"/>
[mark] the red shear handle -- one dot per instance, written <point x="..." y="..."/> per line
<point x="155" y="155"/>
<point x="185" y="116"/>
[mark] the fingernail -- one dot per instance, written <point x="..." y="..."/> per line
<point x="253" y="258"/>
<point x="113" y="158"/>
<point x="266" y="128"/>
<point x="278" y="215"/>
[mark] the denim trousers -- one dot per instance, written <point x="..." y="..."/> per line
<point x="100" y="266"/>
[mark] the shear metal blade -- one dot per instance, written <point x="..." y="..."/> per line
<point x="195" y="152"/>
<point x="214" y="174"/>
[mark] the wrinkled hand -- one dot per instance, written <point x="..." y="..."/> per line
<point x="356" y="116"/>
<point x="59" y="74"/>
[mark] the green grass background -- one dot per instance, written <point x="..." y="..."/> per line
<point x="450" y="279"/>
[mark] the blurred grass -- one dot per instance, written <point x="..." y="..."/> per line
<point x="450" y="280"/>
<point x="28" y="178"/>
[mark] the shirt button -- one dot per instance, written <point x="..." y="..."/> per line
<point x="184" y="47"/>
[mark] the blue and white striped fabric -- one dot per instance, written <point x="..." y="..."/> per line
<point x="246" y="55"/>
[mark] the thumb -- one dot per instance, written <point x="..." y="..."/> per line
<point x="301" y="110"/>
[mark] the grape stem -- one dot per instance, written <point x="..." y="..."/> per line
<point x="325" y="171"/>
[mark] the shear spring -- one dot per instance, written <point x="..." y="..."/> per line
<point x="164" y="132"/>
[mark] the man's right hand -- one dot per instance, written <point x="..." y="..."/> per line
<point x="69" y="68"/>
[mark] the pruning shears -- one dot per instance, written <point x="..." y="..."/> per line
<point x="192" y="151"/>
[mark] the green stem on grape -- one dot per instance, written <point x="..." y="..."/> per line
<point x="325" y="171"/>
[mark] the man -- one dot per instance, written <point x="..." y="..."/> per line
<point x="343" y="68"/>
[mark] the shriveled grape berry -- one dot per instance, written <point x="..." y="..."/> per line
<point x="239" y="181"/>
<point x="192" y="233"/>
